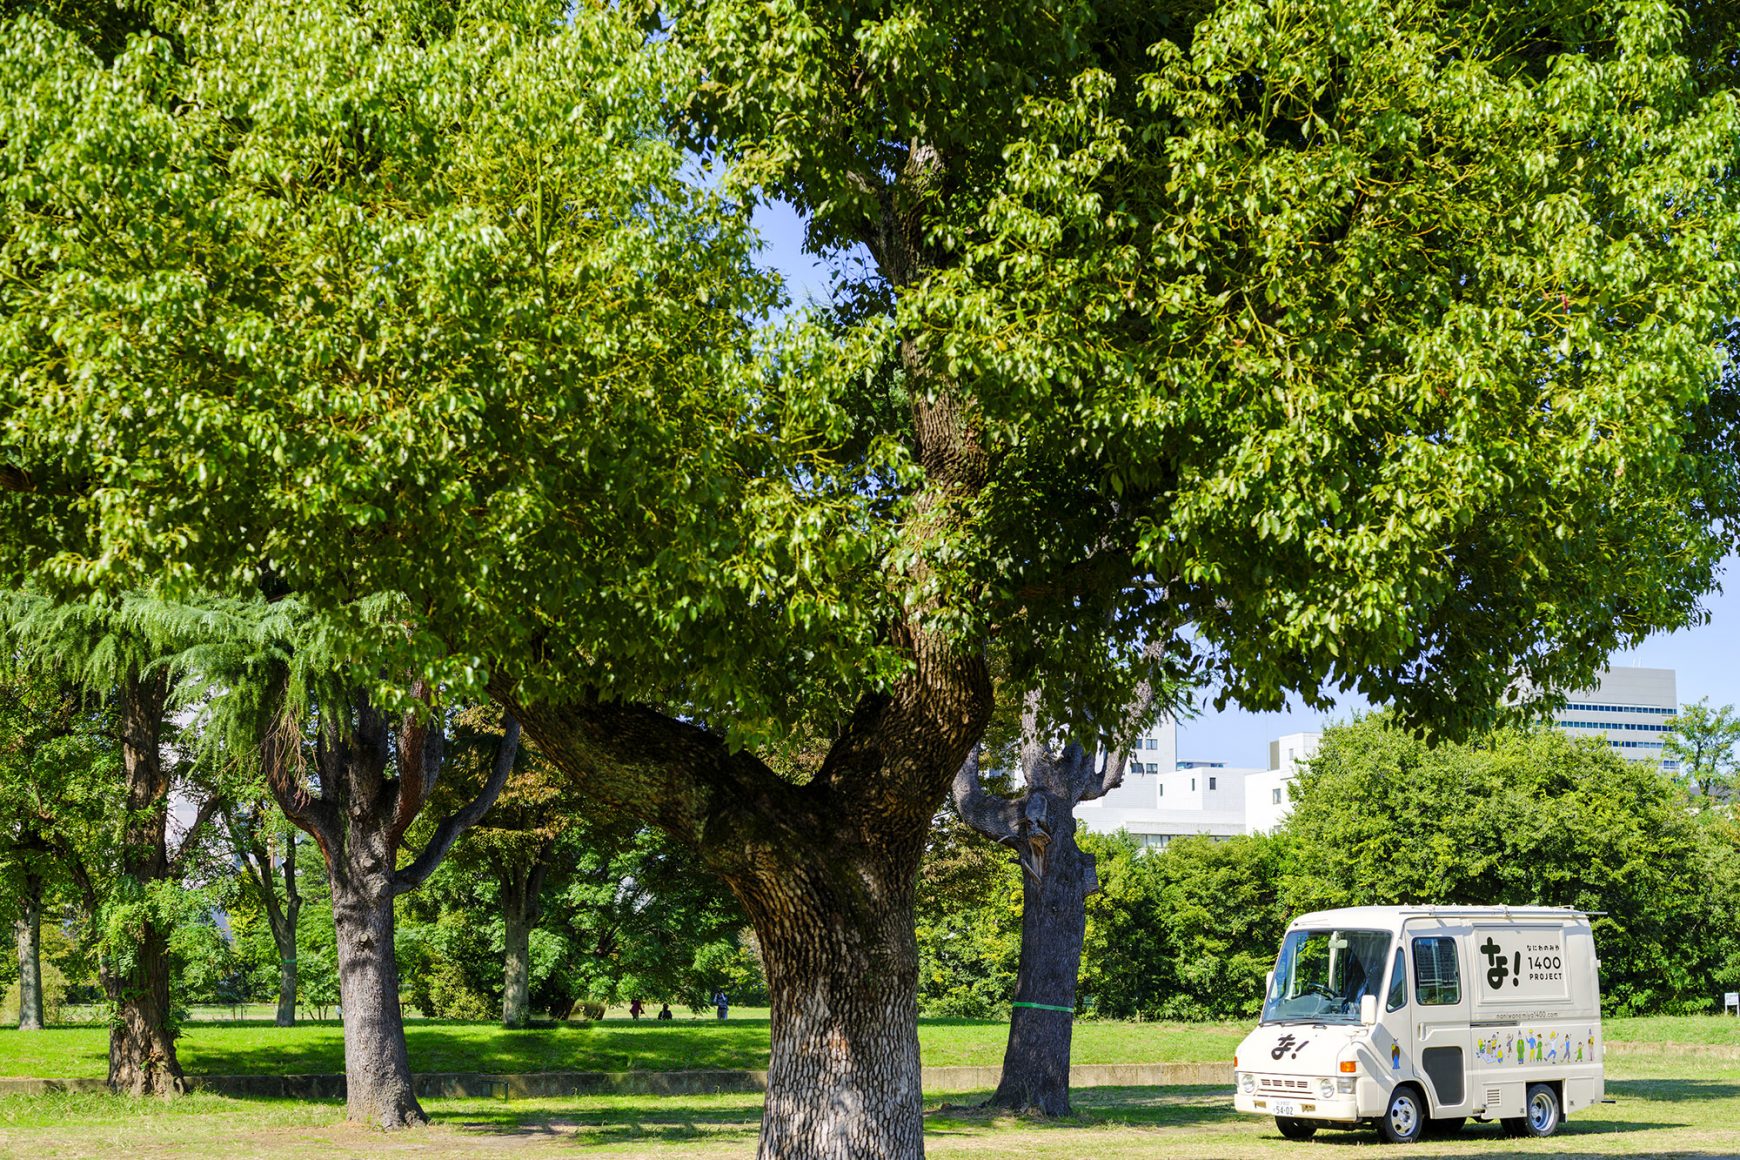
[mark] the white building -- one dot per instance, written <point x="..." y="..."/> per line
<point x="1267" y="799"/>
<point x="1163" y="798"/>
<point x="1630" y="707"/>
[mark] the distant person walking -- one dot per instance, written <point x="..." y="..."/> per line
<point x="720" y="1001"/>
<point x="634" y="1009"/>
<point x="665" y="1012"/>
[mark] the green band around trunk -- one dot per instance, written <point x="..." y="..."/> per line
<point x="1045" y="1007"/>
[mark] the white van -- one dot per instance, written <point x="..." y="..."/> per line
<point x="1415" y="1018"/>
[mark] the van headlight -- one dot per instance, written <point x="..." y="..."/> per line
<point x="1247" y="1083"/>
<point x="1325" y="1088"/>
<point x="1344" y="1085"/>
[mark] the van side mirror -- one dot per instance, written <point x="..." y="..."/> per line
<point x="1368" y="1010"/>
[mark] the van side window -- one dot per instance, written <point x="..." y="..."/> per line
<point x="1437" y="975"/>
<point x="1398" y="984"/>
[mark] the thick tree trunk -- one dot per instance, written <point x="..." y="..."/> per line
<point x="29" y="930"/>
<point x="1053" y="922"/>
<point x="377" y="1066"/>
<point x="142" y="1059"/>
<point x="843" y="1080"/>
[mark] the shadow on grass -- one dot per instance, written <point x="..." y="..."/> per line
<point x="1671" y="1090"/>
<point x="1095" y="1107"/>
<point x="1493" y="1135"/>
<point x="654" y="1121"/>
<point x="485" y="1047"/>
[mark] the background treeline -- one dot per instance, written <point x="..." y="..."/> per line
<point x="1379" y="817"/>
<point x="630" y="919"/>
<point x="1184" y="933"/>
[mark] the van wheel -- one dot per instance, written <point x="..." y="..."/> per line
<point x="1448" y="1126"/>
<point x="1541" y="1116"/>
<point x="1404" y="1120"/>
<point x="1295" y="1129"/>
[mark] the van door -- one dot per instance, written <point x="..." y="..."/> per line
<point x="1442" y="1039"/>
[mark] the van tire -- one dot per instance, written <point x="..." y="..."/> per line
<point x="1295" y="1129"/>
<point x="1542" y="1113"/>
<point x="1404" y="1120"/>
<point x="1448" y="1126"/>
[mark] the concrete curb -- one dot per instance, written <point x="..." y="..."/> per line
<point x="556" y="1084"/>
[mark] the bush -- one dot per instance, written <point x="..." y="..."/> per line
<point x="1526" y="818"/>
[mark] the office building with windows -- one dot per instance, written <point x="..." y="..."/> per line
<point x="1630" y="707"/>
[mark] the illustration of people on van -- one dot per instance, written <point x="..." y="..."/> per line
<point x="1419" y="988"/>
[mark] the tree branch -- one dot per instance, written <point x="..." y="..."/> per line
<point x="15" y="479"/>
<point x="1019" y="823"/>
<point x="422" y="748"/>
<point x="993" y="815"/>
<point x="1111" y="771"/>
<point x="457" y="823"/>
<point x="657" y="769"/>
<point x="207" y="808"/>
<point x="280" y="753"/>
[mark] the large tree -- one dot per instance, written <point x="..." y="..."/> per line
<point x="1058" y="772"/>
<point x="125" y="859"/>
<point x="357" y="789"/>
<point x="1328" y="344"/>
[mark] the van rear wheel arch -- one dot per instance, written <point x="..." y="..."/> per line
<point x="1543" y="1111"/>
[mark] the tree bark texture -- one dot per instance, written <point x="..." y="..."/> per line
<point x="1057" y="877"/>
<point x="843" y="1079"/>
<point x="288" y="982"/>
<point x="142" y="1059"/>
<point x="377" y="1065"/>
<point x="29" y="932"/>
<point x="826" y="873"/>
<point x="358" y="815"/>
<point x="520" y="890"/>
<point x="1053" y="922"/>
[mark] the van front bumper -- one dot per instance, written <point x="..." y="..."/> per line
<point x="1341" y="1108"/>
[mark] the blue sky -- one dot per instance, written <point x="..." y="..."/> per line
<point x="1703" y="656"/>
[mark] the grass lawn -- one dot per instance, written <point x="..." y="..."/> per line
<point x="1666" y="1107"/>
<point x="619" y="1044"/>
<point x="608" y="1045"/>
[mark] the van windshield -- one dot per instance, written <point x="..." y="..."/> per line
<point x="1322" y="974"/>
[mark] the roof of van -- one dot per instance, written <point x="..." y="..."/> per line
<point x="1392" y="916"/>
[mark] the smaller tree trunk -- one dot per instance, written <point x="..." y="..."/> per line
<point x="1041" y="1023"/>
<point x="287" y="982"/>
<point x="521" y="888"/>
<point x="377" y="1065"/>
<point x="29" y="931"/>
<point x="142" y="1059"/>
<point x="516" y="1001"/>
